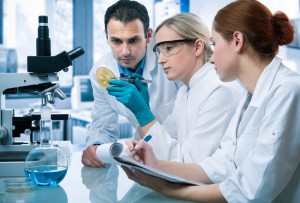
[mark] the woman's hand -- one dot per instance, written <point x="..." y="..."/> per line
<point x="144" y="152"/>
<point x="146" y="180"/>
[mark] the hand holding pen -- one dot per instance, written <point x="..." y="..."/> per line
<point x="132" y="78"/>
<point x="143" y="152"/>
<point x="136" y="147"/>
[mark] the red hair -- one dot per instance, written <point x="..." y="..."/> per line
<point x="263" y="30"/>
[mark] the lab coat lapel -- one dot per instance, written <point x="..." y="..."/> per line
<point x="246" y="119"/>
<point x="150" y="63"/>
<point x="236" y="119"/>
<point x="262" y="87"/>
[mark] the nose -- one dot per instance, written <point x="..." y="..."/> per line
<point x="211" y="60"/>
<point x="125" y="49"/>
<point x="161" y="59"/>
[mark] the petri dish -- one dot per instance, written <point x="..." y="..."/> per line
<point x="16" y="185"/>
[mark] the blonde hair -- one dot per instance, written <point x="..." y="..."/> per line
<point x="190" y="26"/>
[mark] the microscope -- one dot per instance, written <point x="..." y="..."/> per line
<point x="42" y="79"/>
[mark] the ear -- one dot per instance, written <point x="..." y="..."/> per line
<point x="238" y="40"/>
<point x="199" y="45"/>
<point x="149" y="35"/>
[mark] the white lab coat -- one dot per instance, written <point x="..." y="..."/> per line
<point x="261" y="164"/>
<point x="104" y="126"/>
<point x="201" y="115"/>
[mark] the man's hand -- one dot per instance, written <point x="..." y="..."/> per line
<point x="142" y="87"/>
<point x="129" y="95"/>
<point x="90" y="159"/>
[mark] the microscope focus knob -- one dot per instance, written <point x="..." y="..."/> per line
<point x="27" y="132"/>
<point x="3" y="132"/>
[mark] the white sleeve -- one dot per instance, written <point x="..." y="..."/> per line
<point x="220" y="165"/>
<point x="212" y="120"/>
<point x="164" y="146"/>
<point x="104" y="127"/>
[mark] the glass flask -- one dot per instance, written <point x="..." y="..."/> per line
<point x="46" y="165"/>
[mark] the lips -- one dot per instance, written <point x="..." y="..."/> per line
<point x="126" y="60"/>
<point x="166" y="70"/>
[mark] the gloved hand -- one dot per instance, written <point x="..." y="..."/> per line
<point x="142" y="87"/>
<point x="128" y="94"/>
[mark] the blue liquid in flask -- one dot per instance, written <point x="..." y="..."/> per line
<point x="46" y="175"/>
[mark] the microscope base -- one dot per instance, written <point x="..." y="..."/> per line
<point x="12" y="169"/>
<point x="12" y="159"/>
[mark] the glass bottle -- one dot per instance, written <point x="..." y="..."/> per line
<point x="46" y="165"/>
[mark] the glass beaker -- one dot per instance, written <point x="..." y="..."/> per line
<point x="46" y="165"/>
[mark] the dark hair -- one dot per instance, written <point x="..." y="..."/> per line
<point x="126" y="11"/>
<point x="264" y="31"/>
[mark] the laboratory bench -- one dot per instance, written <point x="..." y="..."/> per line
<point x="85" y="184"/>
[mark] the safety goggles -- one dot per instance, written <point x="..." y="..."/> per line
<point x="169" y="48"/>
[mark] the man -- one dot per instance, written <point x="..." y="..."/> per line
<point x="129" y="37"/>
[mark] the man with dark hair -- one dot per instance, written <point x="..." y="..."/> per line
<point x="125" y="12"/>
<point x="130" y="39"/>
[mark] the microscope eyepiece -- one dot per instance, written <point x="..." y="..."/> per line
<point x="73" y="54"/>
<point x="43" y="62"/>
<point x="43" y="19"/>
<point x="43" y="43"/>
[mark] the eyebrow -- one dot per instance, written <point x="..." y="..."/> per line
<point x="116" y="38"/>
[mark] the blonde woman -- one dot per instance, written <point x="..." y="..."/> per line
<point x="204" y="105"/>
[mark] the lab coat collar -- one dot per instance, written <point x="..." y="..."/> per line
<point x="151" y="60"/>
<point x="264" y="82"/>
<point x="199" y="76"/>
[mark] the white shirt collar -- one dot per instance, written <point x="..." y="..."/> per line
<point x="264" y="82"/>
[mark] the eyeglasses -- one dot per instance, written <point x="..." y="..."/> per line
<point x="169" y="48"/>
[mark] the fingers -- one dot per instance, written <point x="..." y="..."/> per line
<point x="117" y="93"/>
<point x="90" y="159"/>
<point x="135" y="75"/>
<point x="135" y="175"/>
<point x="115" y="89"/>
<point x="130" y="144"/>
<point x="139" y="84"/>
<point x="130" y="173"/>
<point x="134" y="145"/>
<point x="120" y="83"/>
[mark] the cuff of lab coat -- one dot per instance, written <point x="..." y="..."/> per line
<point x="96" y="143"/>
<point x="208" y="166"/>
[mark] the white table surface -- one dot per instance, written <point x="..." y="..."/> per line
<point x="84" y="184"/>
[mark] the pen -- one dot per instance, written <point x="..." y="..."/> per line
<point x="146" y="139"/>
<point x="131" y="80"/>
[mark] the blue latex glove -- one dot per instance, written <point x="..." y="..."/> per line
<point x="128" y="94"/>
<point x="142" y="87"/>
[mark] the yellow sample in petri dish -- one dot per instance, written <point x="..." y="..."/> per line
<point x="103" y="75"/>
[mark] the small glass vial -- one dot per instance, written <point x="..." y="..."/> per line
<point x="46" y="165"/>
